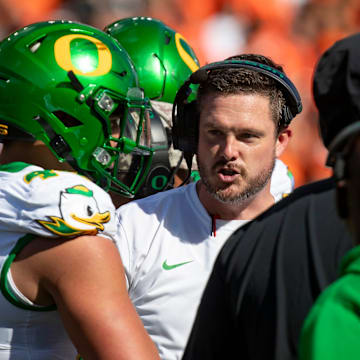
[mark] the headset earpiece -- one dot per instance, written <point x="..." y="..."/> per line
<point x="187" y="129"/>
<point x="185" y="123"/>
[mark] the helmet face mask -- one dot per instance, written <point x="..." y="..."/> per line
<point x="71" y="81"/>
<point x="127" y="153"/>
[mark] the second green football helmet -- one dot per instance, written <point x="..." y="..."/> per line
<point x="163" y="58"/>
<point x="164" y="61"/>
<point x="75" y="88"/>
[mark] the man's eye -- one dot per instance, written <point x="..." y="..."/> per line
<point x="214" y="132"/>
<point x="247" y="136"/>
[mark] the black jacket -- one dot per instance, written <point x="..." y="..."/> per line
<point x="267" y="277"/>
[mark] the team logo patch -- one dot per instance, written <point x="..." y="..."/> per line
<point x="80" y="214"/>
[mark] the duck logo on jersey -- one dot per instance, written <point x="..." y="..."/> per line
<point x="80" y="214"/>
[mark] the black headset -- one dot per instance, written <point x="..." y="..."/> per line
<point x="185" y="115"/>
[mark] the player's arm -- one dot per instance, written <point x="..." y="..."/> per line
<point x="85" y="278"/>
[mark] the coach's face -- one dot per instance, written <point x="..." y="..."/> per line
<point x="237" y="145"/>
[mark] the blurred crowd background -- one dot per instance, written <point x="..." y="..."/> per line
<point x="294" y="33"/>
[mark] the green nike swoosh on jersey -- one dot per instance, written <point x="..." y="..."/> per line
<point x="170" y="267"/>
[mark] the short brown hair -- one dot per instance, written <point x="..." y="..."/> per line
<point x="234" y="80"/>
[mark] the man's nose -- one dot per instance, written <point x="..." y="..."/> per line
<point x="229" y="148"/>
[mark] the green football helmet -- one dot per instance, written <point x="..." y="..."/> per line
<point x="75" y="88"/>
<point x="163" y="59"/>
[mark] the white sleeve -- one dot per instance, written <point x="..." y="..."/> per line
<point x="282" y="181"/>
<point x="52" y="203"/>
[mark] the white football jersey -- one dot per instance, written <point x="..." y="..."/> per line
<point x="46" y="203"/>
<point x="168" y="244"/>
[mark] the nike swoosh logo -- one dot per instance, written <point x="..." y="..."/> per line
<point x="170" y="267"/>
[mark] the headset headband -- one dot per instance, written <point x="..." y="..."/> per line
<point x="291" y="93"/>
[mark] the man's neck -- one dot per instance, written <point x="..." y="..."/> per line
<point x="247" y="209"/>
<point x="35" y="153"/>
<point x="118" y="199"/>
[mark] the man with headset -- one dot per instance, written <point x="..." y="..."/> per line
<point x="270" y="271"/>
<point x="237" y="126"/>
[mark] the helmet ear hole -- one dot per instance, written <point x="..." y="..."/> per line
<point x="68" y="120"/>
<point x="4" y="78"/>
<point x="35" y="45"/>
<point x="167" y="39"/>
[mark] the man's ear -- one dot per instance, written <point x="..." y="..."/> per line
<point x="342" y="199"/>
<point x="282" y="140"/>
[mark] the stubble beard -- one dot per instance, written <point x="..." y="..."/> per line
<point x="253" y="185"/>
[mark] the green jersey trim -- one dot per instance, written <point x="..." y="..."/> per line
<point x="4" y="284"/>
<point x="14" y="166"/>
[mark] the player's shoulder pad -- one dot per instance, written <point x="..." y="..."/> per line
<point x="56" y="203"/>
